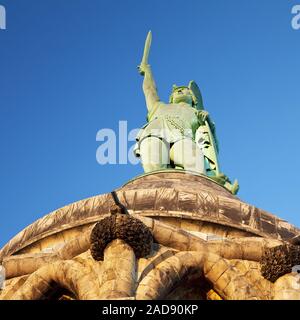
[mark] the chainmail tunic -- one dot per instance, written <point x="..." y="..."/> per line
<point x="170" y="122"/>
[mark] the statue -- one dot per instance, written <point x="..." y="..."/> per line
<point x="179" y="134"/>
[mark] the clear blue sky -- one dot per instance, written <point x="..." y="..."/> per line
<point x="68" y="69"/>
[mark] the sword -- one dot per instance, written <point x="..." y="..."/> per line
<point x="146" y="51"/>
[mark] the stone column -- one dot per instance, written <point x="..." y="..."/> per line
<point x="119" y="271"/>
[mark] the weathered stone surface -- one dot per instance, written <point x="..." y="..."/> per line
<point x="158" y="194"/>
<point x="118" y="278"/>
<point x="50" y="259"/>
<point x="279" y="261"/>
<point x="124" y="227"/>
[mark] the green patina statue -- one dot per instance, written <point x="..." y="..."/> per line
<point x="179" y="134"/>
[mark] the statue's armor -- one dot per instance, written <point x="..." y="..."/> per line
<point x="170" y="122"/>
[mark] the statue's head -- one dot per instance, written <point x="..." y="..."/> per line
<point x="181" y="94"/>
<point x="190" y="94"/>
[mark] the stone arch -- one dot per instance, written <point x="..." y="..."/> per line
<point x="69" y="275"/>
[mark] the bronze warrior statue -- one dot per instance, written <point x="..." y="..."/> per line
<point x="179" y="134"/>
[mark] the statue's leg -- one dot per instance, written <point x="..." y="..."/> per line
<point x="154" y="154"/>
<point x="187" y="154"/>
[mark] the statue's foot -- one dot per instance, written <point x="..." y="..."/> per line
<point x="224" y="181"/>
<point x="235" y="187"/>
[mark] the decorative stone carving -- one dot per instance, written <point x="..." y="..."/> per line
<point x="124" y="227"/>
<point x="279" y="261"/>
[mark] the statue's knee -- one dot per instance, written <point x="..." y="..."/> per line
<point x="186" y="154"/>
<point x="182" y="151"/>
<point x="154" y="151"/>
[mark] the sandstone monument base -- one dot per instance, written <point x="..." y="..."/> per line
<point x="165" y="235"/>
